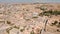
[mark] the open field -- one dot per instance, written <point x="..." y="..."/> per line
<point x="29" y="19"/>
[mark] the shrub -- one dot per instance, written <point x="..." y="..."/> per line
<point x="55" y="22"/>
<point x="58" y="30"/>
<point x="32" y="32"/>
<point x="8" y="22"/>
<point x="22" y="30"/>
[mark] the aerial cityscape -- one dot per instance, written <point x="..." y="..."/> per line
<point x="29" y="18"/>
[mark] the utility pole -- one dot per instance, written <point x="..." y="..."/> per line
<point x="44" y="27"/>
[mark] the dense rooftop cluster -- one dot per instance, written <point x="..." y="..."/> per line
<point x="28" y="19"/>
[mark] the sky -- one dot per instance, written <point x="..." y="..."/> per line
<point x="30" y="1"/>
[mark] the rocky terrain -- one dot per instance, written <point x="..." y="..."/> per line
<point x="29" y="18"/>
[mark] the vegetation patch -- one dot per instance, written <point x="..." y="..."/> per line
<point x="50" y="12"/>
<point x="32" y="32"/>
<point x="56" y="23"/>
<point x="58" y="30"/>
<point x="16" y="27"/>
<point x="21" y="30"/>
